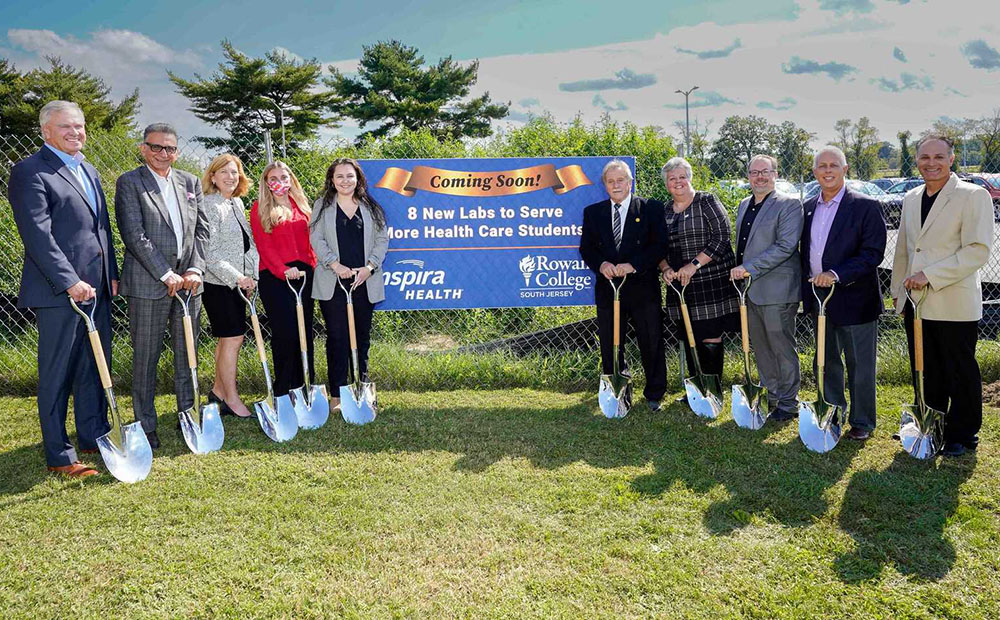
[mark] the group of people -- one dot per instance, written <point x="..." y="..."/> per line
<point x="188" y="236"/>
<point x="794" y="252"/>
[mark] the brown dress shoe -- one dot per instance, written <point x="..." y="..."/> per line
<point x="89" y="451"/>
<point x="858" y="434"/>
<point x="75" y="470"/>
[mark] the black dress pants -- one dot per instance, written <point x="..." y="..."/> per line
<point x="952" y="382"/>
<point x="279" y="305"/>
<point x="338" y="343"/>
<point x="647" y="322"/>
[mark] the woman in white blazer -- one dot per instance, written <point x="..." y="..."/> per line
<point x="349" y="234"/>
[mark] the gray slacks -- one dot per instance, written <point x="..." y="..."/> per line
<point x="772" y="336"/>
<point x="855" y="345"/>
<point x="148" y="319"/>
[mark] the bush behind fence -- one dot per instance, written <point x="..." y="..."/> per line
<point x="433" y="349"/>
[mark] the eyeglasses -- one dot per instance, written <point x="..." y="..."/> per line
<point x="156" y="148"/>
<point x="760" y="173"/>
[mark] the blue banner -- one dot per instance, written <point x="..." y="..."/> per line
<point x="486" y="233"/>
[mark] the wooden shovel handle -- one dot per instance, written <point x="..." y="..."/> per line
<point x="617" y="322"/>
<point x="918" y="345"/>
<point x="300" y="317"/>
<point x="351" y="333"/>
<point x="687" y="325"/>
<point x="102" y="364"/>
<point x="821" y="341"/>
<point x="258" y="338"/>
<point x="744" y="329"/>
<point x="189" y="342"/>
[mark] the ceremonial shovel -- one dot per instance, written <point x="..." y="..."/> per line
<point x="820" y="423"/>
<point x="125" y="449"/>
<point x="276" y="416"/>
<point x="704" y="392"/>
<point x="312" y="407"/>
<point x="357" y="399"/>
<point x="201" y="426"/>
<point x="748" y="400"/>
<point x="921" y="428"/>
<point x="615" y="393"/>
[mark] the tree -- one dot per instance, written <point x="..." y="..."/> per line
<point x="394" y="90"/>
<point x="740" y="138"/>
<point x="860" y="143"/>
<point x="987" y="131"/>
<point x="23" y="95"/>
<point x="700" y="144"/>
<point x="905" y="156"/>
<point x="790" y="145"/>
<point x="243" y="98"/>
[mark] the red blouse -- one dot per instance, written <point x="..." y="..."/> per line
<point x="286" y="243"/>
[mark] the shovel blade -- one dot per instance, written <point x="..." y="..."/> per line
<point x="820" y="425"/>
<point x="312" y="412"/>
<point x="747" y="407"/>
<point x="615" y="396"/>
<point x="133" y="461"/>
<point x="704" y="402"/>
<point x="921" y="433"/>
<point x="279" y="425"/>
<point x="357" y="403"/>
<point x="209" y="436"/>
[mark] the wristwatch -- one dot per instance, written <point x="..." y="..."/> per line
<point x="696" y="263"/>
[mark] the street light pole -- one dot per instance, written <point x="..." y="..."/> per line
<point x="687" y="120"/>
<point x="281" y="119"/>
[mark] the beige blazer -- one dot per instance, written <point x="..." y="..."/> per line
<point x="949" y="248"/>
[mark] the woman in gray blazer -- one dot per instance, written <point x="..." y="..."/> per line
<point x="230" y="261"/>
<point x="349" y="234"/>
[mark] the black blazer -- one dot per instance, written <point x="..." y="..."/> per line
<point x="642" y="247"/>
<point x="854" y="249"/>
<point x="64" y="240"/>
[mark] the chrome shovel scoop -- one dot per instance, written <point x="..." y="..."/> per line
<point x="615" y="393"/>
<point x="921" y="428"/>
<point x="277" y="418"/>
<point x="704" y="392"/>
<point x="125" y="449"/>
<point x="357" y="399"/>
<point x="820" y="423"/>
<point x="749" y="402"/>
<point x="200" y="425"/>
<point x="312" y="406"/>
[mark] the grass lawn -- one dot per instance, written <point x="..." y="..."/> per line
<point x="505" y="504"/>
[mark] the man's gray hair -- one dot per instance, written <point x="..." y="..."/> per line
<point x="674" y="163"/>
<point x="55" y="106"/>
<point x="831" y="149"/>
<point x="773" y="161"/>
<point x="936" y="136"/>
<point x="159" y="128"/>
<point x="616" y="163"/>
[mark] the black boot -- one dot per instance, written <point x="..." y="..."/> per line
<point x="711" y="355"/>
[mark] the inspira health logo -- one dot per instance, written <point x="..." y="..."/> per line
<point x="415" y="283"/>
<point x="547" y="277"/>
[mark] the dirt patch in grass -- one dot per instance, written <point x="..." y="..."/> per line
<point x="431" y="343"/>
<point x="991" y="394"/>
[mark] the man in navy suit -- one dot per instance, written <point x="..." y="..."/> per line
<point x="623" y="236"/>
<point x="843" y="242"/>
<point x="62" y="217"/>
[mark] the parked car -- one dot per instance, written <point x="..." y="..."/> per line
<point x="885" y="182"/>
<point x="905" y="185"/>
<point x="891" y="206"/>
<point x="989" y="183"/>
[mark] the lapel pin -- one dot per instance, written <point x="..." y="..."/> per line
<point x="637" y="219"/>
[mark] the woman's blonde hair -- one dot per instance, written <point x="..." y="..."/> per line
<point x="271" y="213"/>
<point x="220" y="162"/>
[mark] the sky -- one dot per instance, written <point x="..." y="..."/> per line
<point x="902" y="63"/>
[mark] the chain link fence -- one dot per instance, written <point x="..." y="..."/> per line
<point x="444" y="349"/>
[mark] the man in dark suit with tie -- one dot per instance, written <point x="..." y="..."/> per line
<point x="62" y="217"/>
<point x="843" y="242"/>
<point x="162" y="221"/>
<point x="621" y="237"/>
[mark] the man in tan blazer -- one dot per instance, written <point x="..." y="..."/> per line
<point x="945" y="237"/>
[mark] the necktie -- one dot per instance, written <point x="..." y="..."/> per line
<point x="617" y="225"/>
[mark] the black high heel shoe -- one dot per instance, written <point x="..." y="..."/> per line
<point x="224" y="409"/>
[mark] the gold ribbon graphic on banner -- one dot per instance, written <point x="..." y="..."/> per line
<point x="498" y="183"/>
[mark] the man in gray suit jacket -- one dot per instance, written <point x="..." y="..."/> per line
<point x="162" y="221"/>
<point x="768" y="229"/>
<point x="62" y="217"/>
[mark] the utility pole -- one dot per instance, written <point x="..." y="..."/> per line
<point x="687" y="120"/>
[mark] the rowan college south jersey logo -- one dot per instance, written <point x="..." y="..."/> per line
<point x="548" y="278"/>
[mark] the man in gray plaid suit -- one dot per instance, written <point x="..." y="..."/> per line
<point x="162" y="221"/>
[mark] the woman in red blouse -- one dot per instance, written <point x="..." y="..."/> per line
<point x="280" y="224"/>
